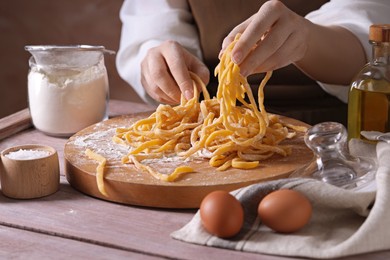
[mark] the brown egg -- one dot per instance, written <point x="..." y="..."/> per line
<point x="222" y="214"/>
<point x="285" y="210"/>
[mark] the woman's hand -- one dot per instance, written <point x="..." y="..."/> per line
<point x="270" y="39"/>
<point x="275" y="37"/>
<point x="165" y="72"/>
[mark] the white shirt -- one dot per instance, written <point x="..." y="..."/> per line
<point x="356" y="16"/>
<point x="146" y="24"/>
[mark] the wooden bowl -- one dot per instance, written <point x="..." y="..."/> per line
<point x="36" y="175"/>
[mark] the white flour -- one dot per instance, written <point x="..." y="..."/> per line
<point x="63" y="102"/>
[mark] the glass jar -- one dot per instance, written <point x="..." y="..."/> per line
<point x="67" y="87"/>
<point x="369" y="95"/>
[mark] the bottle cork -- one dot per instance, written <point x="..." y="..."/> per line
<point x="379" y="33"/>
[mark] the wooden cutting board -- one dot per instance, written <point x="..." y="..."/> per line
<point x="125" y="184"/>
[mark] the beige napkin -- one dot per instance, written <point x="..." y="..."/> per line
<point x="344" y="222"/>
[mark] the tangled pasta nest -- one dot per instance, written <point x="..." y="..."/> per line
<point x="226" y="129"/>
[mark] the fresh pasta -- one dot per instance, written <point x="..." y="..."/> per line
<point x="230" y="130"/>
<point x="99" y="169"/>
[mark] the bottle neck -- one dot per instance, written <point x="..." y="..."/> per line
<point x="381" y="52"/>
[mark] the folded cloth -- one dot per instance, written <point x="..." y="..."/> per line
<point x="344" y="222"/>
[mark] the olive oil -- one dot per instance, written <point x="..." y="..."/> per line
<point x="368" y="110"/>
<point x="369" y="95"/>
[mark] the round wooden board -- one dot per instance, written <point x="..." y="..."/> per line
<point x="125" y="184"/>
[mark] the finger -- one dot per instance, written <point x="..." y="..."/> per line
<point x="288" y="53"/>
<point x="157" y="76"/>
<point x="262" y="21"/>
<point x="174" y="56"/>
<point x="231" y="36"/>
<point x="197" y="67"/>
<point x="154" y="91"/>
<point x="275" y="38"/>
<point x="162" y="76"/>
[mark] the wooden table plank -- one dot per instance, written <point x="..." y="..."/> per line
<point x="69" y="213"/>
<point x="91" y="224"/>
<point x="21" y="244"/>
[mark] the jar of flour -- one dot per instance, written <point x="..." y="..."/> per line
<point x="67" y="87"/>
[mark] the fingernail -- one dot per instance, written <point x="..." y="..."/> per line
<point x="236" y="57"/>
<point x="188" y="94"/>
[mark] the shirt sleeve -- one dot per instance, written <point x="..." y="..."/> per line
<point x="356" y="16"/>
<point x="146" y="24"/>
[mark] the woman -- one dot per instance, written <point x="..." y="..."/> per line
<point x="163" y="41"/>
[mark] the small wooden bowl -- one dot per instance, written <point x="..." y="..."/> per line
<point x="32" y="177"/>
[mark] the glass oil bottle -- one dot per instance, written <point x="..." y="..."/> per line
<point x="369" y="95"/>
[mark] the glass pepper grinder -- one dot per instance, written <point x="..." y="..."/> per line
<point x="333" y="163"/>
<point x="369" y="95"/>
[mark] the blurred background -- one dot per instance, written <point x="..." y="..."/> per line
<point x="42" y="22"/>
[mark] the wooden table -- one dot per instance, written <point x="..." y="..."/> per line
<point x="69" y="224"/>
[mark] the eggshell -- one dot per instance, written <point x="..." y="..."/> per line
<point x="285" y="210"/>
<point x="222" y="214"/>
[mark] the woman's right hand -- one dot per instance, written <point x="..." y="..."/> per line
<point x="165" y="72"/>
